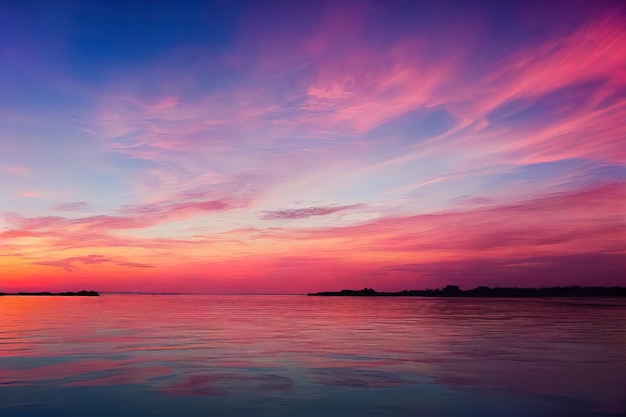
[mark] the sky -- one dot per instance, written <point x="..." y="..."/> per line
<point x="289" y="147"/>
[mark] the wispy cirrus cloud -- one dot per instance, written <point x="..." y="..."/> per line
<point x="129" y="217"/>
<point x="173" y="209"/>
<point x="69" y="264"/>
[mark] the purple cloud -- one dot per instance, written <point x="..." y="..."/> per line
<point x="304" y="213"/>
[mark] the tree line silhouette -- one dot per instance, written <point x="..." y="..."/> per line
<point x="455" y="291"/>
<point x="82" y="293"/>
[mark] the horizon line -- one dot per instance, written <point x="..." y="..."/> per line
<point x="306" y="293"/>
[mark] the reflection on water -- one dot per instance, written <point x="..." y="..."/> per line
<point x="311" y="356"/>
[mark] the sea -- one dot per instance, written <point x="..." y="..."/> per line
<point x="293" y="355"/>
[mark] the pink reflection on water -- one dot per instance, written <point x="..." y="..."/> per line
<point x="266" y="345"/>
<point x="126" y="375"/>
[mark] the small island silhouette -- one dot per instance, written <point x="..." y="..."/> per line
<point x="82" y="293"/>
<point x="502" y="292"/>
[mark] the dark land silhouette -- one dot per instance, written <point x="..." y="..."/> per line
<point x="455" y="291"/>
<point x="82" y="293"/>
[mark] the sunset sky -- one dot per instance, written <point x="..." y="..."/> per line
<point x="288" y="147"/>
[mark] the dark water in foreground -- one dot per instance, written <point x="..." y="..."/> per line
<point x="121" y="355"/>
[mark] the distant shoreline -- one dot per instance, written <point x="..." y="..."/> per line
<point x="499" y="292"/>
<point x="82" y="293"/>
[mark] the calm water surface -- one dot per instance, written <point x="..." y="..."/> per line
<point x="127" y="355"/>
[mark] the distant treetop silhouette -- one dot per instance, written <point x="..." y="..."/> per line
<point x="455" y="291"/>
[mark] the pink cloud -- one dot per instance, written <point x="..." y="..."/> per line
<point x="12" y="234"/>
<point x="69" y="264"/>
<point x="133" y="217"/>
<point x="559" y="223"/>
<point x="591" y="125"/>
<point x="170" y="209"/>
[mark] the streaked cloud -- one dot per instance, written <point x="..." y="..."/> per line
<point x="303" y="213"/>
<point x="73" y="206"/>
<point x="69" y="264"/>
